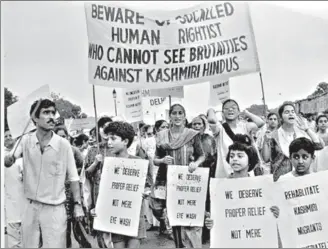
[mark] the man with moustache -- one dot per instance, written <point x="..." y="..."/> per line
<point x="48" y="161"/>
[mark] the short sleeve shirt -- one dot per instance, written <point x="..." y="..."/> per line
<point x="45" y="172"/>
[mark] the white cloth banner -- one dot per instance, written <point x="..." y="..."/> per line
<point x="120" y="195"/>
<point x="132" y="105"/>
<point x="18" y="114"/>
<point x="240" y="209"/>
<point x="186" y="195"/>
<point x="219" y="92"/>
<point x="130" y="49"/>
<point x="303" y="203"/>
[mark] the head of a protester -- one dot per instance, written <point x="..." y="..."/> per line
<point x="141" y="129"/>
<point x="230" y="110"/>
<point x="61" y="131"/>
<point x="161" y="125"/>
<point x="148" y="131"/>
<point x="9" y="142"/>
<point x="102" y="123"/>
<point x="44" y="111"/>
<point x="177" y="114"/>
<point x="199" y="124"/>
<point x="301" y="152"/>
<point x="322" y="122"/>
<point x="120" y="136"/>
<point x="287" y="113"/>
<point x="81" y="141"/>
<point x="242" y="154"/>
<point x="273" y="120"/>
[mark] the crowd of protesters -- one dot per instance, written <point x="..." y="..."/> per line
<point x="52" y="178"/>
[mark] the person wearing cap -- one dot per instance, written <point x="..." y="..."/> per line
<point x="48" y="162"/>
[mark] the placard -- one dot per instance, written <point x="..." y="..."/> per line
<point x="219" y="92"/>
<point x="120" y="195"/>
<point x="303" y="203"/>
<point x="186" y="195"/>
<point x="130" y="49"/>
<point x="240" y="209"/>
<point x="18" y="114"/>
<point x="133" y="105"/>
<point x="82" y="123"/>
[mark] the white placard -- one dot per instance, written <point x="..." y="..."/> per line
<point x="241" y="212"/>
<point x="18" y="114"/>
<point x="219" y="92"/>
<point x="120" y="195"/>
<point x="133" y="105"/>
<point x="303" y="203"/>
<point x="186" y="195"/>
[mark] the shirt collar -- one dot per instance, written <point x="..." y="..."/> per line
<point x="54" y="141"/>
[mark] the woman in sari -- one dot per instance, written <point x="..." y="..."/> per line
<point x="276" y="146"/>
<point x="179" y="146"/>
<point x="209" y="146"/>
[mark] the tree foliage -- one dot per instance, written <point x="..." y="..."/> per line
<point x="66" y="108"/>
<point x="321" y="89"/>
<point x="10" y="99"/>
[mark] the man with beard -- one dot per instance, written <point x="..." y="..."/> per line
<point x="225" y="133"/>
<point x="48" y="160"/>
<point x="14" y="197"/>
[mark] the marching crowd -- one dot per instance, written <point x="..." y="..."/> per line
<point x="52" y="179"/>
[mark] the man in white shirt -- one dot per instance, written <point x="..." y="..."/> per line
<point x="14" y="197"/>
<point x="48" y="162"/>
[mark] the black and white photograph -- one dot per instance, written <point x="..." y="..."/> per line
<point x="164" y="124"/>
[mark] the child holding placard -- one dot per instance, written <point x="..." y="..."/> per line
<point x="120" y="137"/>
<point x="243" y="158"/>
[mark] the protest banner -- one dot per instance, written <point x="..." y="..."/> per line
<point x="303" y="203"/>
<point x="186" y="195"/>
<point x="219" y="92"/>
<point x="132" y="105"/>
<point x="120" y="195"/>
<point x="130" y="49"/>
<point x="240" y="209"/>
<point x="18" y="114"/>
<point x="175" y="92"/>
<point x="82" y="123"/>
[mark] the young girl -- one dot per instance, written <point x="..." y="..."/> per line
<point x="242" y="157"/>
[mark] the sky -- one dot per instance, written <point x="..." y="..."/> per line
<point x="46" y="43"/>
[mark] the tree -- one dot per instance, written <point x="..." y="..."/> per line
<point x="10" y="99"/>
<point x="321" y="89"/>
<point x="67" y="109"/>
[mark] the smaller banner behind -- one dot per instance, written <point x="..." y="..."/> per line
<point x="18" y="114"/>
<point x="219" y="92"/>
